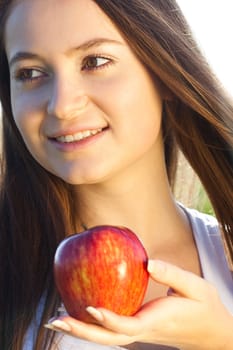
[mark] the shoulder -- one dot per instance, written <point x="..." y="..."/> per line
<point x="212" y="255"/>
<point x="206" y="233"/>
<point x="202" y="222"/>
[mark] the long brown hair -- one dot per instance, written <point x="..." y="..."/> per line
<point x="37" y="209"/>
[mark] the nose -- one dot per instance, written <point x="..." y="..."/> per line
<point x="67" y="99"/>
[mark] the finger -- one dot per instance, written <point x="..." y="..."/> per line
<point x="148" y="317"/>
<point x="127" y="325"/>
<point x="90" y="332"/>
<point x="185" y="283"/>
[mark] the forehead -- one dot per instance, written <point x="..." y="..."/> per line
<point x="36" y="24"/>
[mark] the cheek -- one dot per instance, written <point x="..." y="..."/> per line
<point x="28" y="121"/>
<point x="133" y="100"/>
<point x="129" y="89"/>
<point x="26" y="112"/>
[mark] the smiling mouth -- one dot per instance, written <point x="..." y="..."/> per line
<point x="78" y="136"/>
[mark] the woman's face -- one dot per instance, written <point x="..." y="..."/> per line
<point x="85" y="106"/>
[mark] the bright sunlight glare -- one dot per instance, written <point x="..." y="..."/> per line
<point x="212" y="26"/>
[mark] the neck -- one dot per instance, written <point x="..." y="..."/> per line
<point x="142" y="204"/>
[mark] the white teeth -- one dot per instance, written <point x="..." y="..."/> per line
<point x="78" y="136"/>
<point x="86" y="133"/>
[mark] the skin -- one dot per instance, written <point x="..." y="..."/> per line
<point x="189" y="318"/>
<point x="62" y="90"/>
<point x="66" y="97"/>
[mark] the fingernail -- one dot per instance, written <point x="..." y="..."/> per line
<point x="156" y="266"/>
<point x="58" y="325"/>
<point x="95" y="313"/>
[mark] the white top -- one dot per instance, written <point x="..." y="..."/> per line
<point x="214" y="269"/>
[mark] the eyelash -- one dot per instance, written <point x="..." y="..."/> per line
<point x="20" y="74"/>
<point x="102" y="66"/>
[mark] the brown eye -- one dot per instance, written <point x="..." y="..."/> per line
<point x="95" y="62"/>
<point x="25" y="75"/>
<point x="91" y="62"/>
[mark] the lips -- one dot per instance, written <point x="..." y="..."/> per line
<point x="69" y="137"/>
<point x="77" y="136"/>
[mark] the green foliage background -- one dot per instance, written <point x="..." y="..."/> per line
<point x="203" y="202"/>
<point x="189" y="190"/>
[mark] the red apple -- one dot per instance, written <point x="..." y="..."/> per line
<point x="104" y="266"/>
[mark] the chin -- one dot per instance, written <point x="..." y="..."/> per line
<point x="82" y="175"/>
<point x="80" y="179"/>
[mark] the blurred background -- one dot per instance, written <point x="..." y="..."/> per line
<point x="211" y="23"/>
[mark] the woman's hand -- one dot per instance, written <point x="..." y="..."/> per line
<point x="191" y="317"/>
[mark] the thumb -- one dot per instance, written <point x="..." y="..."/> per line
<point x="184" y="283"/>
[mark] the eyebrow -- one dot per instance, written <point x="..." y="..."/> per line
<point x="83" y="47"/>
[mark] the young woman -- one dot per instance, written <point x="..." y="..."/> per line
<point x="97" y="97"/>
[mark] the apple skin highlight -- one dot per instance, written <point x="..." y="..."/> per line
<point x="104" y="266"/>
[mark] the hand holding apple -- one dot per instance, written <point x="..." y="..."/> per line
<point x="105" y="266"/>
<point x="192" y="317"/>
